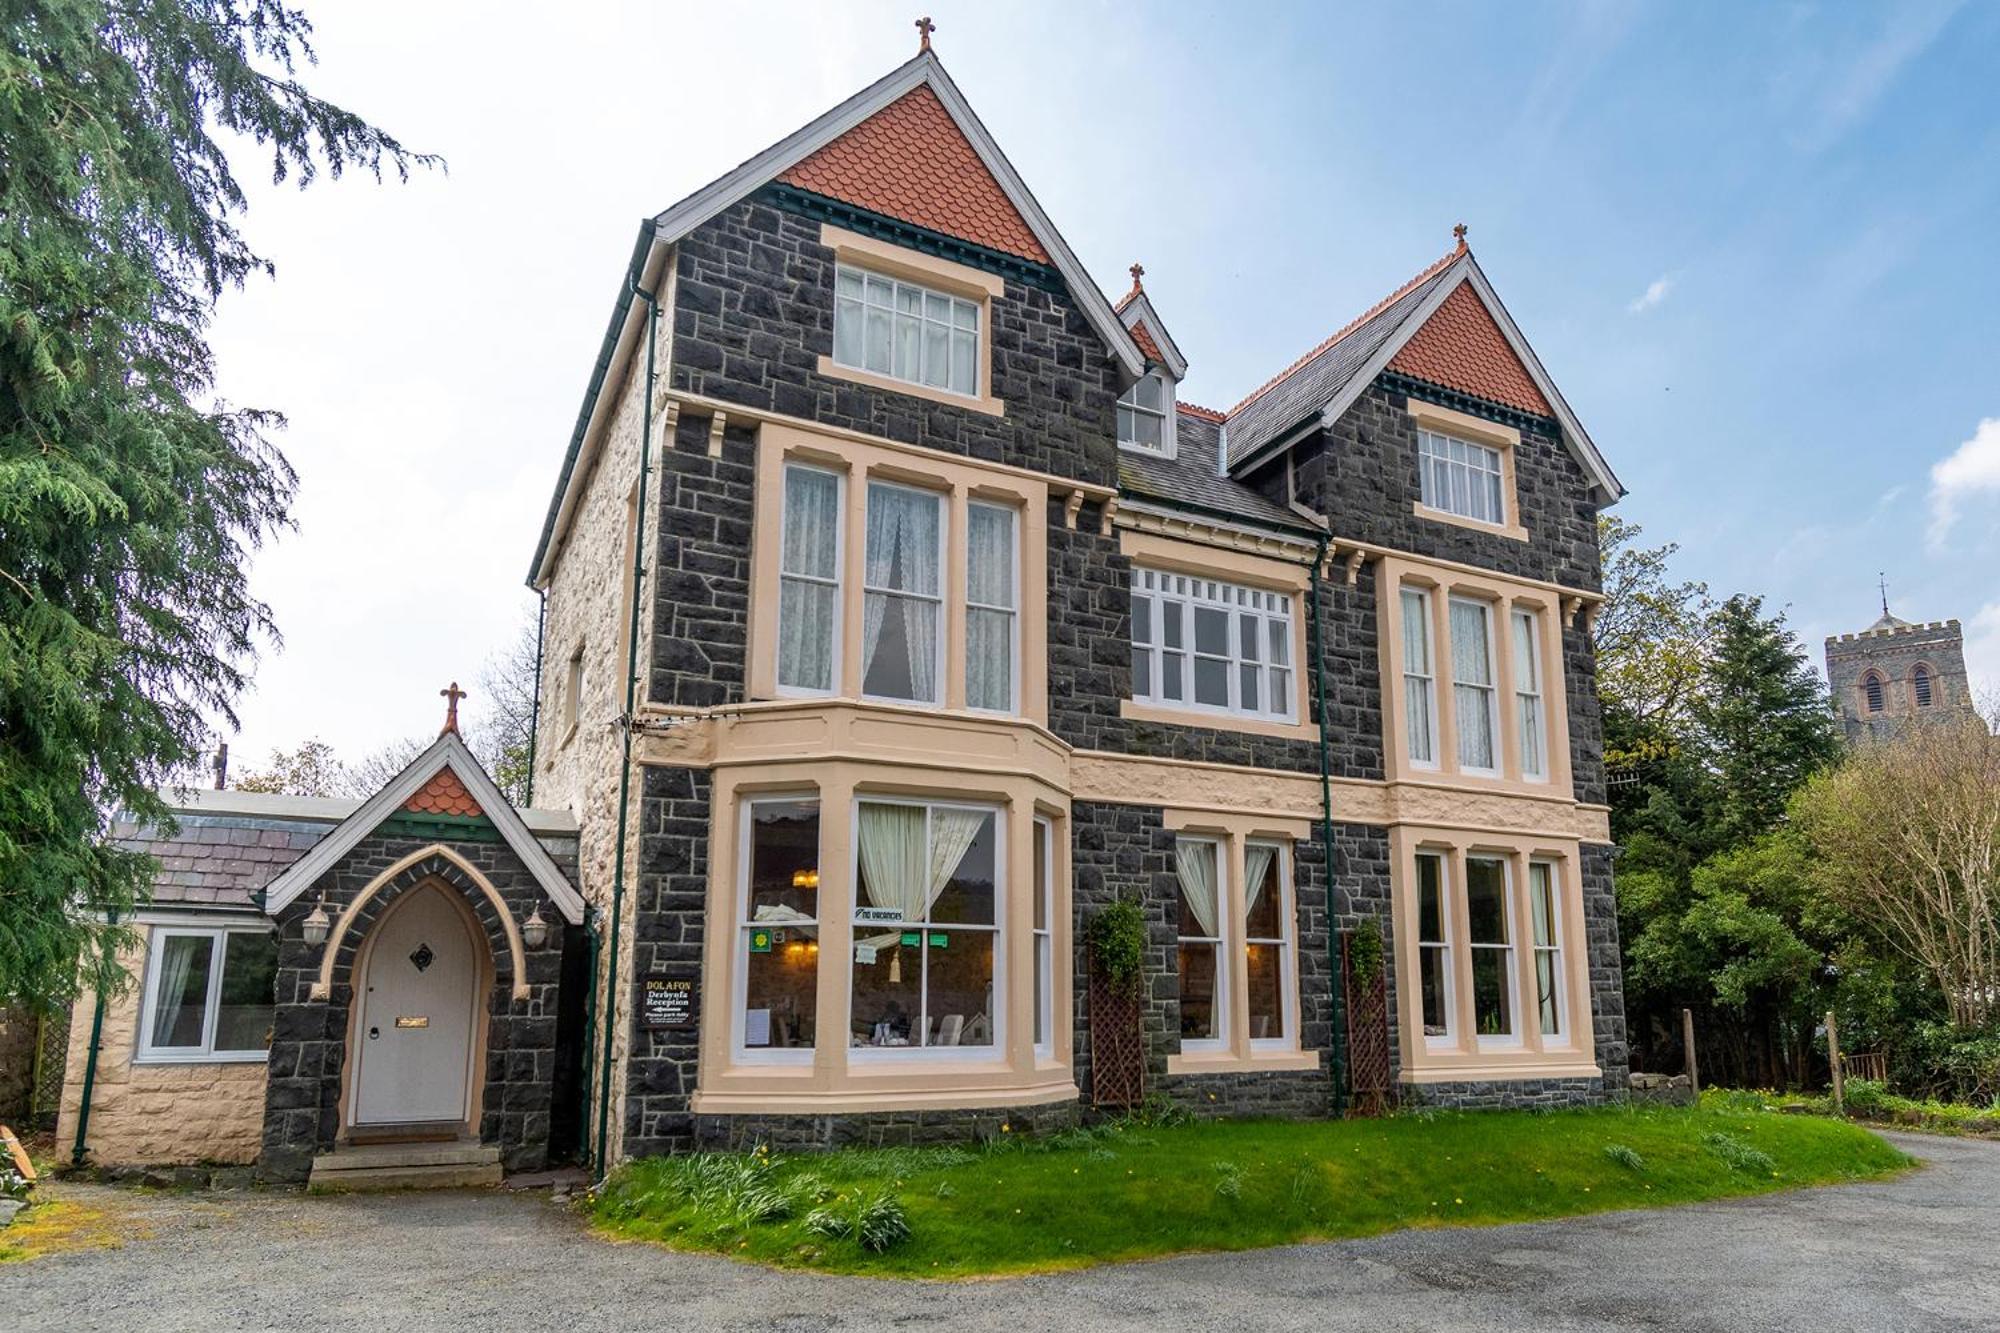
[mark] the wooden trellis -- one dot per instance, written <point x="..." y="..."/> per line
<point x="1367" y="1004"/>
<point x="1117" y="1044"/>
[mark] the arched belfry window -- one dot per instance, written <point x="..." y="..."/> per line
<point x="1871" y="686"/>
<point x="1921" y="687"/>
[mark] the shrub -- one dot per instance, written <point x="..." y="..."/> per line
<point x="1866" y="1095"/>
<point x="875" y="1221"/>
<point x="1625" y="1156"/>
<point x="1364" y="951"/>
<point x="1739" y="1155"/>
<point x="1229" y="1180"/>
<point x="1117" y="938"/>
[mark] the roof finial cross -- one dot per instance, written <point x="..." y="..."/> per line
<point x="1459" y="233"/>
<point x="451" y="698"/>
<point x="1882" y="580"/>
<point x="1137" y="271"/>
<point x="924" y="30"/>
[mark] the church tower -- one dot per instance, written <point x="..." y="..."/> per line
<point x="1895" y="670"/>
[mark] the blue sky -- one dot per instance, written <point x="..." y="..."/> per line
<point x="1752" y="244"/>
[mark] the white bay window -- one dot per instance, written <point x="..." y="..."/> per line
<point x="778" y="976"/>
<point x="1528" y="718"/>
<point x="1419" y="679"/>
<point x="1489" y="913"/>
<point x="991" y="640"/>
<point x="1475" y="695"/>
<point x="902" y="594"/>
<point x="809" y="580"/>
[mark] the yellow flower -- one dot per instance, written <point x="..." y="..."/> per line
<point x="1458" y="1201"/>
<point x="1005" y="1127"/>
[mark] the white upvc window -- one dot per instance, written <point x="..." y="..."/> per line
<point x="1145" y="416"/>
<point x="928" y="966"/>
<point x="210" y="994"/>
<point x="1435" y="980"/>
<point x="1475" y="696"/>
<point x="1211" y="647"/>
<point x="902" y="608"/>
<point x="1203" y="961"/>
<point x="1529" y="715"/>
<point x="809" y="581"/>
<point x="777" y="983"/>
<point x="911" y="333"/>
<point x="1462" y="478"/>
<point x="1267" y="944"/>
<point x="1045" y="912"/>
<point x="1545" y="909"/>
<point x="992" y="576"/>
<point x="1489" y="914"/>
<point x="1419" y="679"/>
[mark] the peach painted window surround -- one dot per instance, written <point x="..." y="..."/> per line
<point x="1473" y="673"/>
<point x="1208" y="646"/>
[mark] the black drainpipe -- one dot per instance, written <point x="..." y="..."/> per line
<point x="626" y="724"/>
<point x="1337" y="1037"/>
<point x="535" y="709"/>
<point x="81" y="1150"/>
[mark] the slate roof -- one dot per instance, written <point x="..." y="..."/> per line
<point x="1189" y="480"/>
<point x="1308" y="384"/>
<point x="221" y="860"/>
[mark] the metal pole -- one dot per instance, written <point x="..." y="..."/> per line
<point x="81" y="1150"/>
<point x="535" y="709"/>
<point x="1336" y="1035"/>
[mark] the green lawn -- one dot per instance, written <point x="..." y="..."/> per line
<point x="1129" y="1191"/>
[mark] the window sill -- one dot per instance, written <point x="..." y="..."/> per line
<point x="982" y="403"/>
<point x="849" y="1098"/>
<point x="1228" y="1062"/>
<point x="1483" y="1068"/>
<point x="1513" y="531"/>
<point x="205" y="1058"/>
<point x="1188" y="717"/>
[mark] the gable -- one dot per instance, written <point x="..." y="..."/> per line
<point x="443" y="794"/>
<point x="1144" y="337"/>
<point x="910" y="161"/>
<point x="1461" y="347"/>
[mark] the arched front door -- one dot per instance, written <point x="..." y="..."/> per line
<point x="417" y="1026"/>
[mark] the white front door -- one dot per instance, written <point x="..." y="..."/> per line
<point x="413" y="1044"/>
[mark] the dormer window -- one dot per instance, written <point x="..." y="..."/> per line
<point x="1143" y="416"/>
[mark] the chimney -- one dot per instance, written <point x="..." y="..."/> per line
<point x="222" y="766"/>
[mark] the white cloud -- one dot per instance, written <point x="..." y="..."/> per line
<point x="1982" y="652"/>
<point x="1656" y="292"/>
<point x="1971" y="470"/>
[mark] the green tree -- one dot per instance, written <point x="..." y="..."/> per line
<point x="1763" y="721"/>
<point x="129" y="497"/>
<point x="310" y="770"/>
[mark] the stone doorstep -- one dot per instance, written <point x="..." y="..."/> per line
<point x="388" y="1166"/>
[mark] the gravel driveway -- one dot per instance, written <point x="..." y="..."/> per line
<point x="1915" y="1253"/>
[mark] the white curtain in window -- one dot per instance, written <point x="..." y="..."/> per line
<point x="1528" y="691"/>
<point x="177" y="957"/>
<point x="1195" y="862"/>
<point x="952" y="832"/>
<point x="1472" y="684"/>
<point x="895" y="863"/>
<point x="808" y="596"/>
<point x="902" y="558"/>
<point x="989" y="619"/>
<point x="1256" y="867"/>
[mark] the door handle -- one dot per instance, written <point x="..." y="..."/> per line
<point x="373" y="1033"/>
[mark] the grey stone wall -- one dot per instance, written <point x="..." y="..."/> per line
<point x="880" y="1129"/>
<point x="701" y="591"/>
<point x="1607" y="975"/>
<point x="669" y="914"/>
<point x="754" y="313"/>
<point x="309" y="1037"/>
<point x="1528" y="1094"/>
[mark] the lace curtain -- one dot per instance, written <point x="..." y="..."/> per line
<point x="1195" y="864"/>
<point x="808" y="596"/>
<point x="1472" y="684"/>
<point x="900" y="607"/>
<point x="989" y="614"/>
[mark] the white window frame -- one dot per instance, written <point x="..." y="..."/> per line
<point x="1510" y="952"/>
<point x="997" y="1052"/>
<point x="1286" y="944"/>
<point x="1450" y="468"/>
<point x="1224" y="974"/>
<point x="1170" y="593"/>
<point x="1554" y="948"/>
<point x="941" y="597"/>
<point x="1490" y="691"/>
<point x="740" y="997"/>
<point x="1420" y="685"/>
<point x="1044" y="940"/>
<point x="1448" y="1039"/>
<point x="1013" y="612"/>
<point x="1529" y="694"/>
<point x="1129" y="402"/>
<point x="838" y="582"/>
<point x="957" y="306"/>
<point x="145" y="1052"/>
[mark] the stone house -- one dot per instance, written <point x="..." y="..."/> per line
<point x="898" y="618"/>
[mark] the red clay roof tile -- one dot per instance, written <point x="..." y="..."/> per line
<point x="1204" y="413"/>
<point x="1147" y="347"/>
<point x="444" y="794"/>
<point x="910" y="161"/>
<point x="1462" y="348"/>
